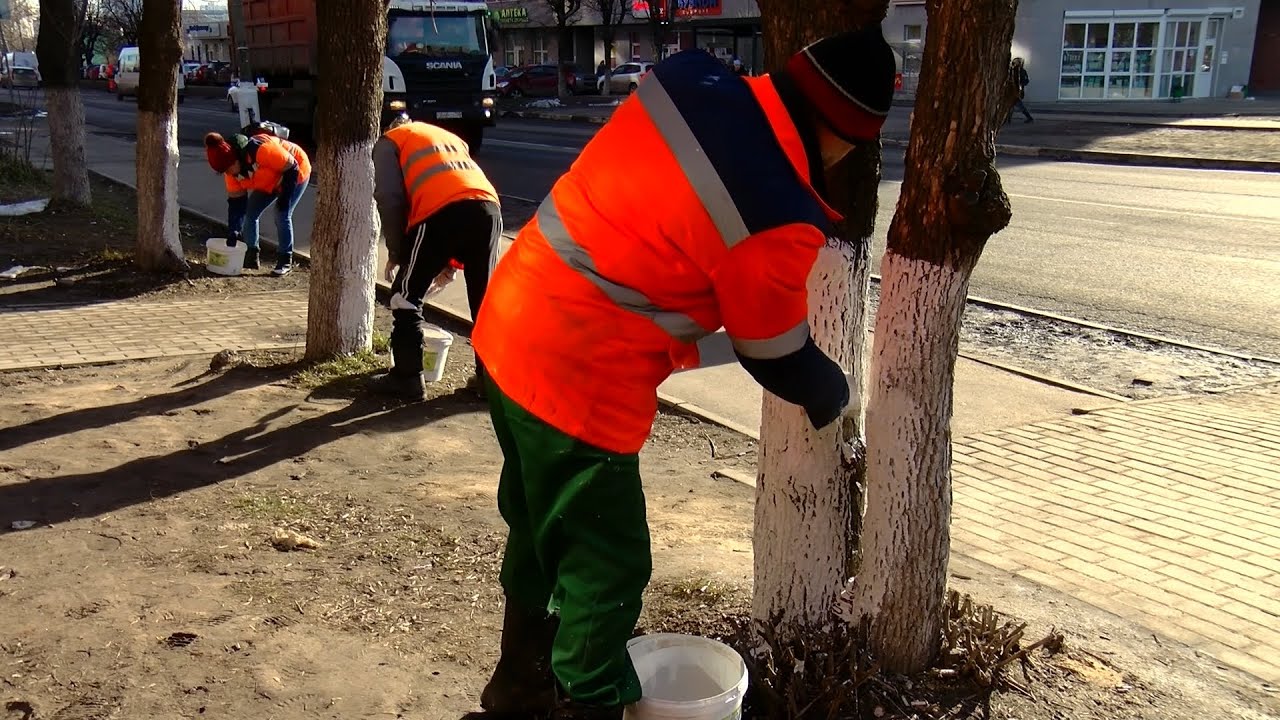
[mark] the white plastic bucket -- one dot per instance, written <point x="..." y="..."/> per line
<point x="224" y="260"/>
<point x="683" y="677"/>
<point x="435" y="351"/>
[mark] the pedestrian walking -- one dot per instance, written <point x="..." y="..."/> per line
<point x="260" y="171"/>
<point x="738" y="68"/>
<point x="601" y="298"/>
<point x="439" y="213"/>
<point x="1020" y="67"/>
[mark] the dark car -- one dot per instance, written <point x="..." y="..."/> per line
<point x="535" y="80"/>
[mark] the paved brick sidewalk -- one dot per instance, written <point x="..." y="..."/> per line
<point x="82" y="334"/>
<point x="1164" y="513"/>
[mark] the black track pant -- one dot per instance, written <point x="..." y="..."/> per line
<point x="466" y="231"/>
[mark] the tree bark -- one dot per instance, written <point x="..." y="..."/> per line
<point x="159" y="245"/>
<point x="808" y="496"/>
<point x="951" y="203"/>
<point x="344" y="242"/>
<point x="56" y="49"/>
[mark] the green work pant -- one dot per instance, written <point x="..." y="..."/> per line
<point x="578" y="546"/>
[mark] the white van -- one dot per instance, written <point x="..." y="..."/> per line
<point x="130" y="70"/>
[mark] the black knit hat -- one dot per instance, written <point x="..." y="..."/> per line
<point x="848" y="79"/>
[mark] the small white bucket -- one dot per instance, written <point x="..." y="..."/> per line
<point x="435" y="351"/>
<point x="683" y="677"/>
<point x="223" y="259"/>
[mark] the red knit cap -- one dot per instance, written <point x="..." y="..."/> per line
<point x="218" y="150"/>
<point x="848" y="79"/>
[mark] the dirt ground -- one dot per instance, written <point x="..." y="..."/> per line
<point x="142" y="573"/>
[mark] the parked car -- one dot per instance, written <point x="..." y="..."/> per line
<point x="20" y="76"/>
<point x="189" y="71"/>
<point x="126" y="81"/>
<point x="626" y="77"/>
<point x="234" y="106"/>
<point x="536" y="80"/>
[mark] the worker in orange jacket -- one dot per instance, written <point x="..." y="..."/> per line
<point x="601" y="298"/>
<point x="439" y="213"/>
<point x="259" y="171"/>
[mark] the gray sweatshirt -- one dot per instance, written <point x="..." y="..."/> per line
<point x="389" y="193"/>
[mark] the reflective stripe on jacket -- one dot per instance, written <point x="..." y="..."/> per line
<point x="438" y="170"/>
<point x="690" y="210"/>
<point x="267" y="158"/>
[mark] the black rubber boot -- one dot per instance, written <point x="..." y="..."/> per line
<point x="251" y="259"/>
<point x="522" y="685"/>
<point x="410" y="388"/>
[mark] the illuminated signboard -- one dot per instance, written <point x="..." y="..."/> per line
<point x="684" y="8"/>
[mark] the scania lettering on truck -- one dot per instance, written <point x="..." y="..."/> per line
<point x="437" y="66"/>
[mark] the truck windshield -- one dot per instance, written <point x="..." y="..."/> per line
<point x="441" y="35"/>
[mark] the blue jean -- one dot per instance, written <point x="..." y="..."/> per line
<point x="258" y="204"/>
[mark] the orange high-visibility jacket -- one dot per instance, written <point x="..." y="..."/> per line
<point x="438" y="170"/>
<point x="690" y="210"/>
<point x="269" y="157"/>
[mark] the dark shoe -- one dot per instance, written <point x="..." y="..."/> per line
<point x="576" y="711"/>
<point x="523" y="684"/>
<point x="410" y="388"/>
<point x="283" y="265"/>
<point x="251" y="259"/>
<point x="476" y="385"/>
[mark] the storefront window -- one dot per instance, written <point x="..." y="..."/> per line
<point x="1117" y="59"/>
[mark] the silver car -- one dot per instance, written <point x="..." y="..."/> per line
<point x="22" y="77"/>
<point x="626" y="77"/>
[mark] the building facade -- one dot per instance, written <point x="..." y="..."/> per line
<point x="206" y="41"/>
<point x="1121" y="49"/>
<point x="525" y="32"/>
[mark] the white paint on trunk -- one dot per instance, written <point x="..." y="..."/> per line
<point x="906" y="533"/>
<point x="806" y="499"/>
<point x="344" y="254"/>
<point x="66" y="144"/>
<point x="159" y="242"/>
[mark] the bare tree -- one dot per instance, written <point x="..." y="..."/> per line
<point x="659" y="15"/>
<point x="564" y="12"/>
<point x="92" y="30"/>
<point x="351" y="36"/>
<point x="19" y="31"/>
<point x="612" y="13"/>
<point x="159" y="244"/>
<point x="57" y="51"/>
<point x="951" y="203"/>
<point x="809" y="489"/>
<point x="122" y="20"/>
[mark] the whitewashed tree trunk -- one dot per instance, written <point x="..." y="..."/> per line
<point x="807" y="498"/>
<point x="159" y="238"/>
<point x="906" y="530"/>
<point x="159" y="244"/>
<point x="66" y="144"/>
<point x="344" y="255"/>
<point x="344" y="242"/>
<point x="56" y="49"/>
<point x="951" y="203"/>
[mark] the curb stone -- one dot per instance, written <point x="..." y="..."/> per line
<point x="1051" y="153"/>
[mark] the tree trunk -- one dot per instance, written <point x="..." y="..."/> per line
<point x="951" y="203"/>
<point x="610" y="37"/>
<point x="563" y="54"/>
<point x="159" y="244"/>
<point x="344" y="242"/>
<point x="56" y="49"/>
<point x="808" y="496"/>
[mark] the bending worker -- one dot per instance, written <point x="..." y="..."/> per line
<point x="438" y="211"/>
<point x="600" y="299"/>
<point x="258" y="171"/>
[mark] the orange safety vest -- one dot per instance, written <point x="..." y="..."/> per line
<point x="270" y="157"/>
<point x="438" y="170"/>
<point x="692" y="209"/>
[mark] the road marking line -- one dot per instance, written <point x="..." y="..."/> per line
<point x="516" y="144"/>
<point x="1134" y="208"/>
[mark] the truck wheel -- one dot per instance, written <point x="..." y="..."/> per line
<point x="474" y="138"/>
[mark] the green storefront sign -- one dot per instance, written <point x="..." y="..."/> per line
<point x="510" y="15"/>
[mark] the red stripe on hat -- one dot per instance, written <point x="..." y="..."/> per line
<point x="846" y="118"/>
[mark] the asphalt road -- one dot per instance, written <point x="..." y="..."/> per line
<point x="1190" y="254"/>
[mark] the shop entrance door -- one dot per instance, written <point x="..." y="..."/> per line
<point x="1208" y="57"/>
